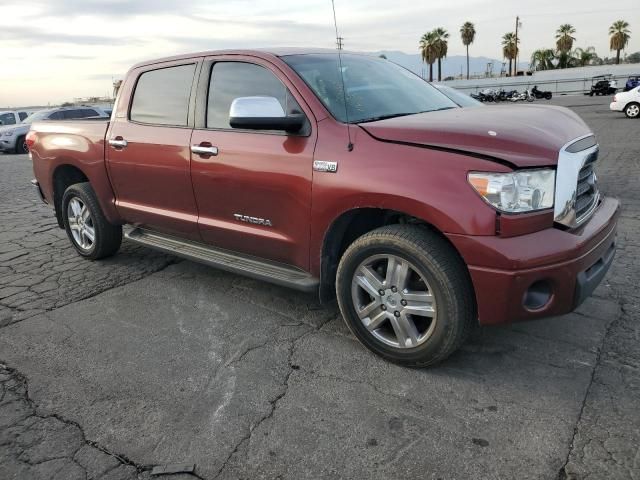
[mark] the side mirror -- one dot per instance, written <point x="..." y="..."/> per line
<point x="263" y="113"/>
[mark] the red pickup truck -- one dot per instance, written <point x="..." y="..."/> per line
<point x="345" y="176"/>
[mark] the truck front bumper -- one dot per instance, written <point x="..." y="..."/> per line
<point x="541" y="274"/>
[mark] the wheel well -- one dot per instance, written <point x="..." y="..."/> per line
<point x="63" y="177"/>
<point x="347" y="228"/>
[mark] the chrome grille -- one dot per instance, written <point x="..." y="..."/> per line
<point x="577" y="195"/>
<point x="587" y="190"/>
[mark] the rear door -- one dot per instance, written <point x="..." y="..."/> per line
<point x="147" y="149"/>
<point x="254" y="196"/>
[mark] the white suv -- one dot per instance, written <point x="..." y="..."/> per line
<point x="13" y="137"/>
<point x="627" y="102"/>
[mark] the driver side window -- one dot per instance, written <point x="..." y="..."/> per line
<point x="231" y="80"/>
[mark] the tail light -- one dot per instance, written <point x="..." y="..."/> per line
<point x="31" y="139"/>
<point x="615" y="99"/>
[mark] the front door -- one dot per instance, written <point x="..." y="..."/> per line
<point x="148" y="153"/>
<point x="254" y="196"/>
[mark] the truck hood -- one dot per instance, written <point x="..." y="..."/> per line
<point x="517" y="135"/>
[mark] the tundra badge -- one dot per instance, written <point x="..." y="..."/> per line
<point x="322" y="166"/>
<point x="255" y="220"/>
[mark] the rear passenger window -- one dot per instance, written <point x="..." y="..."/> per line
<point x="90" y="112"/>
<point x="231" y="80"/>
<point x="71" y="114"/>
<point x="22" y="115"/>
<point x="162" y="96"/>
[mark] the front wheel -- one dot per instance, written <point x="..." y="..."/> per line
<point x="90" y="232"/>
<point x="632" y="110"/>
<point x="406" y="295"/>
<point x="21" y="145"/>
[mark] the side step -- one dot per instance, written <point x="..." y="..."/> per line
<point x="225" y="260"/>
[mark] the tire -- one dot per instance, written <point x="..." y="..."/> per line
<point x="435" y="269"/>
<point x="77" y="200"/>
<point x="548" y="95"/>
<point x="21" y="145"/>
<point x="632" y="110"/>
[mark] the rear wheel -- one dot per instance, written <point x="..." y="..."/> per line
<point x="90" y="233"/>
<point x="406" y="295"/>
<point x="632" y="110"/>
<point x="21" y="145"/>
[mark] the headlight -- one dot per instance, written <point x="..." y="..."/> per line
<point x="520" y="191"/>
<point x="8" y="133"/>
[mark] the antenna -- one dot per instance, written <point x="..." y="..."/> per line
<point x="339" y="41"/>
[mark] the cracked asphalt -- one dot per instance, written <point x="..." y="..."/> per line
<point x="109" y="368"/>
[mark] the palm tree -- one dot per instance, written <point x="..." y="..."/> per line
<point x="620" y="35"/>
<point x="509" y="47"/>
<point x="427" y="51"/>
<point x="542" y="59"/>
<point x="564" y="43"/>
<point x="468" y="34"/>
<point x="584" y="56"/>
<point x="441" y="44"/>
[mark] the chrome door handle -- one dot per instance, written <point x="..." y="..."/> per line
<point x="202" y="150"/>
<point x="118" y="142"/>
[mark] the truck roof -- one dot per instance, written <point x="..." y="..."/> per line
<point x="256" y="52"/>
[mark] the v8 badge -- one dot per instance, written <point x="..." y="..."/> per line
<point x="322" y="166"/>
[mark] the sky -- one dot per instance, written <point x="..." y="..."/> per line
<point x="52" y="51"/>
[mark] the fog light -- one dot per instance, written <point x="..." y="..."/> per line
<point x="537" y="295"/>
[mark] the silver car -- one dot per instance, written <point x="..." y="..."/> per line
<point x="13" y="137"/>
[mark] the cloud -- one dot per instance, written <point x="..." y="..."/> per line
<point x="74" y="57"/>
<point x="124" y="8"/>
<point x="28" y="36"/>
<point x="103" y="76"/>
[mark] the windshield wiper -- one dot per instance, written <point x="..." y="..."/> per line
<point x="385" y="117"/>
<point x="394" y="115"/>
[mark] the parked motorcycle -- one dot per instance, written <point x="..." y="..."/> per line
<point x="521" y="96"/>
<point x="540" y="94"/>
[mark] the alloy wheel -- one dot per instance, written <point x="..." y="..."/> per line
<point x="81" y="224"/>
<point x="633" y="110"/>
<point x="394" y="301"/>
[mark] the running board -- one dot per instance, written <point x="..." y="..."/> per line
<point x="225" y="260"/>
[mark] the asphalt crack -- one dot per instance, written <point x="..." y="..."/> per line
<point x="16" y="385"/>
<point x="277" y="399"/>
<point x="562" y="474"/>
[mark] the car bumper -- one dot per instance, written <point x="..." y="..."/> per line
<point x="616" y="106"/>
<point x="7" y="144"/>
<point x="541" y="274"/>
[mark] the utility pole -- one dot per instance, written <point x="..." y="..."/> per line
<point x="339" y="42"/>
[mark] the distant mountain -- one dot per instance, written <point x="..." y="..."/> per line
<point x="451" y="66"/>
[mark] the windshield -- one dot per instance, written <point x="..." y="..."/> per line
<point x="34" y="117"/>
<point x="459" y="97"/>
<point x="375" y="88"/>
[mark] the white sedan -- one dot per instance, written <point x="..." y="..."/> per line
<point x="627" y="102"/>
